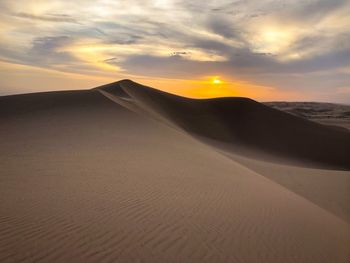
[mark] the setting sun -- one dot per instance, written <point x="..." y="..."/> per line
<point x="216" y="81"/>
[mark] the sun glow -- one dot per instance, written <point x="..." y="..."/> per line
<point x="216" y="81"/>
<point x="274" y="39"/>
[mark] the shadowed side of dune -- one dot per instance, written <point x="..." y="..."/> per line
<point x="244" y="126"/>
<point x="84" y="179"/>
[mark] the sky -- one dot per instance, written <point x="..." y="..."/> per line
<point x="294" y="50"/>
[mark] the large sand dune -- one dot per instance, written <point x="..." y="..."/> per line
<point x="85" y="179"/>
<point x="250" y="127"/>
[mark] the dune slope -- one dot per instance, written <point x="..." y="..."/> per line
<point x="84" y="179"/>
<point x="251" y="127"/>
<point x="222" y="128"/>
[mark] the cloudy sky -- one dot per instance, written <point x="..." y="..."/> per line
<point x="267" y="50"/>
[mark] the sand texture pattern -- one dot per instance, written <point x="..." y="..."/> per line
<point x="124" y="173"/>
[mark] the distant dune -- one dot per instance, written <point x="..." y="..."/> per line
<point x="325" y="113"/>
<point x="126" y="173"/>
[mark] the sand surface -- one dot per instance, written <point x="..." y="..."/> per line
<point x="331" y="114"/>
<point x="253" y="129"/>
<point x="88" y="179"/>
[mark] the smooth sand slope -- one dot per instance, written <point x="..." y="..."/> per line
<point x="250" y="127"/>
<point x="85" y="179"/>
<point x="240" y="127"/>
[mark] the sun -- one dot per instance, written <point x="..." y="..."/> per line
<point x="216" y="81"/>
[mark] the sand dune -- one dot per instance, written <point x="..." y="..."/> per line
<point x="329" y="189"/>
<point x="249" y="126"/>
<point x="85" y="179"/>
<point x="336" y="115"/>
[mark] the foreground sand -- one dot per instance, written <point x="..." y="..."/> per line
<point x="84" y="179"/>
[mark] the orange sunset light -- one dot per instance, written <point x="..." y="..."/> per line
<point x="216" y="81"/>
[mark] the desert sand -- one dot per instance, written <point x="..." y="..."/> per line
<point x="126" y="173"/>
<point x="331" y="114"/>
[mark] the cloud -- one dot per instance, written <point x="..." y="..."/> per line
<point x="223" y="27"/>
<point x="49" y="17"/>
<point x="316" y="9"/>
<point x="284" y="44"/>
<point x="43" y="52"/>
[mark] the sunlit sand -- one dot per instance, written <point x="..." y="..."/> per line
<point x="127" y="173"/>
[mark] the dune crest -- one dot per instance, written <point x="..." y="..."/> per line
<point x="84" y="179"/>
<point x="245" y="126"/>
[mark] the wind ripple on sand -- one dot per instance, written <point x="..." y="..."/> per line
<point x="134" y="190"/>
